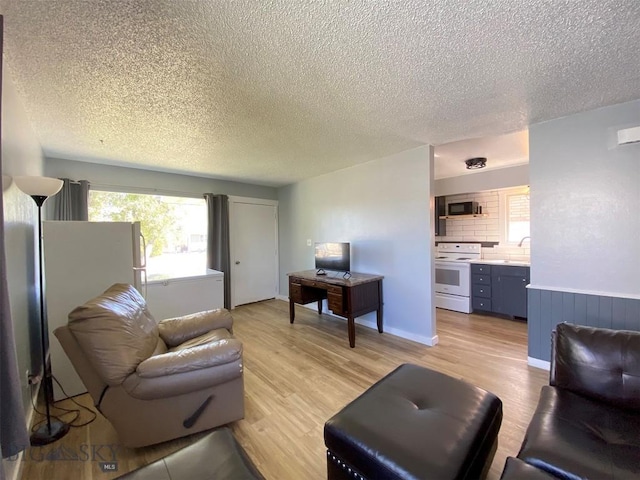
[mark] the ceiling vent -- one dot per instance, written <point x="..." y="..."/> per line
<point x="475" y="163"/>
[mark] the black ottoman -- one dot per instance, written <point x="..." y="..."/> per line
<point x="414" y="423"/>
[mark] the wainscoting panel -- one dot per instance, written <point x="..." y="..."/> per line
<point x="547" y="308"/>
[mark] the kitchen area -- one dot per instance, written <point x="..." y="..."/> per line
<point x="482" y="259"/>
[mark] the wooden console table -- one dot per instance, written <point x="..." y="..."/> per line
<point x="349" y="298"/>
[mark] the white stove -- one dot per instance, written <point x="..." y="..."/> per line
<point x="453" y="275"/>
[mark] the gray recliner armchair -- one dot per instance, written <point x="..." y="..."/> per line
<point x="155" y="381"/>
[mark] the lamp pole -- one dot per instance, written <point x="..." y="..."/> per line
<point x="41" y="188"/>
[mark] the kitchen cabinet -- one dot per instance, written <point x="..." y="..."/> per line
<point x="440" y="211"/>
<point x="509" y="290"/>
<point x="500" y="289"/>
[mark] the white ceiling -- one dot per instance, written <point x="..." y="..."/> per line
<point x="275" y="91"/>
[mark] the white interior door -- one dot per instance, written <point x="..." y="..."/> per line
<point x="254" y="251"/>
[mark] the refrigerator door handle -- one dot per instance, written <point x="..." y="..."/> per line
<point x="143" y="257"/>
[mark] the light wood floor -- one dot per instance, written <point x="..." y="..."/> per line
<point x="297" y="376"/>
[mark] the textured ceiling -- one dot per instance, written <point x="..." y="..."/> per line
<point x="272" y="92"/>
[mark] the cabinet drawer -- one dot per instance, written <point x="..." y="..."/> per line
<point x="334" y="289"/>
<point x="295" y="292"/>
<point x="481" y="290"/>
<point x="336" y="302"/>
<point x="481" y="269"/>
<point x="482" y="279"/>
<point x="481" y="304"/>
<point x="311" y="283"/>
<point x="511" y="271"/>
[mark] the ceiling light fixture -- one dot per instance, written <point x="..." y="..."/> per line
<point x="475" y="163"/>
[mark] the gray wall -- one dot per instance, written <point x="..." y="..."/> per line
<point x="585" y="221"/>
<point x="585" y="202"/>
<point x="383" y="208"/>
<point x="21" y="155"/>
<point x="481" y="181"/>
<point x="134" y="179"/>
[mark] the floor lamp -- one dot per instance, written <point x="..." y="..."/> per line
<point x="41" y="188"/>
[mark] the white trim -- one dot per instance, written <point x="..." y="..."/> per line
<point x="282" y="297"/>
<point x="428" y="341"/>
<point x="585" y="292"/>
<point x="536" y="362"/>
<point x="253" y="200"/>
<point x="98" y="187"/>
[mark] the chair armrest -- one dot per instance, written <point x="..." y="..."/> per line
<point x="175" y="331"/>
<point x="191" y="359"/>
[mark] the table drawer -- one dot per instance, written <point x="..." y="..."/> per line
<point x="336" y="302"/>
<point x="482" y="279"/>
<point x="481" y="304"/>
<point x="313" y="283"/>
<point x="481" y="290"/>
<point x="334" y="289"/>
<point x="295" y="292"/>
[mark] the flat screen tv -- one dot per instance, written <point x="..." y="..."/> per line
<point x="333" y="256"/>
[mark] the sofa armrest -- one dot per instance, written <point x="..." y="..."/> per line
<point x="599" y="363"/>
<point x="175" y="331"/>
<point x="191" y="359"/>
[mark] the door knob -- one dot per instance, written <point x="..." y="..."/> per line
<point x="237" y="262"/>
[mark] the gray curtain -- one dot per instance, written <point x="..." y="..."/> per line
<point x="218" y="256"/>
<point x="13" y="430"/>
<point x="72" y="202"/>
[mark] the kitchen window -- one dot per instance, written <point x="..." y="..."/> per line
<point x="175" y="229"/>
<point x="515" y="215"/>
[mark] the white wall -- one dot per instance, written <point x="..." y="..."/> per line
<point x="585" y="203"/>
<point x="21" y="155"/>
<point x="383" y="208"/>
<point x="480" y="181"/>
<point x="134" y="179"/>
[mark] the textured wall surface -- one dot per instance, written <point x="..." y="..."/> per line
<point x="21" y="155"/>
<point x="585" y="198"/>
<point x="275" y="91"/>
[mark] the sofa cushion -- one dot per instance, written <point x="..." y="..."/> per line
<point x="599" y="363"/>
<point x="572" y="436"/>
<point x="116" y="332"/>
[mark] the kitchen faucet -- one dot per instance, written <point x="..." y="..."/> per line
<point x="523" y="239"/>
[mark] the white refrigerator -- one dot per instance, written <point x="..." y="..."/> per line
<point x="82" y="260"/>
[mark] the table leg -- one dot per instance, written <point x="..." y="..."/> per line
<point x="320" y="307"/>
<point x="351" y="326"/>
<point x="292" y="311"/>
<point x="379" y="311"/>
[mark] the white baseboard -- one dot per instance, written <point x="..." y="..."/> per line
<point x="536" y="362"/>
<point x="429" y="341"/>
<point x="282" y="297"/>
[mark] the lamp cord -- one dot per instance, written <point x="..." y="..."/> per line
<point x="65" y="410"/>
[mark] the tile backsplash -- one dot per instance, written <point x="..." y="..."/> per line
<point x="483" y="229"/>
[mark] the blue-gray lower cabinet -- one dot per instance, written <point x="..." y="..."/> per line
<point x="500" y="289"/>
<point x="509" y="290"/>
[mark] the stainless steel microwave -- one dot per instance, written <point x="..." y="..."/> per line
<point x="462" y="208"/>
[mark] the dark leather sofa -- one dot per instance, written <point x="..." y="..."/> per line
<point x="587" y="423"/>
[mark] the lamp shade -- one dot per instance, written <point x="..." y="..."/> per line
<point x="38" y="186"/>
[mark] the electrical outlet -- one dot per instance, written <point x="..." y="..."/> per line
<point x="308" y="242"/>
